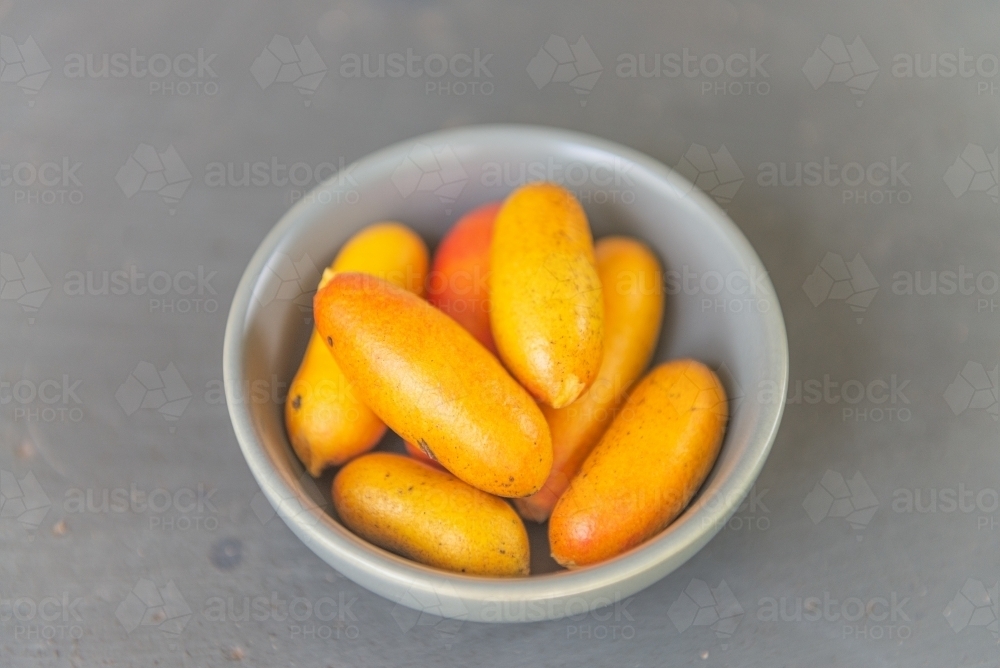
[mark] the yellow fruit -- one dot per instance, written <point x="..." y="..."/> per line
<point x="327" y="424"/>
<point x="430" y="516"/>
<point x="388" y="250"/>
<point x="632" y="283"/>
<point x="646" y="468"/>
<point x="547" y="309"/>
<point x="434" y="384"/>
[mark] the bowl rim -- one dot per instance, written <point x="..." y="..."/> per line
<point x="469" y="597"/>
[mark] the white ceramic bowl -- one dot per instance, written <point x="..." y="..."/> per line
<point x="720" y="309"/>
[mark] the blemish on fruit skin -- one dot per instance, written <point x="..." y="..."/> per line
<point x="297" y="402"/>
<point x="329" y="341"/>
<point x="426" y="449"/>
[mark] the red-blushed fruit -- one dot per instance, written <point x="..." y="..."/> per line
<point x="458" y="282"/>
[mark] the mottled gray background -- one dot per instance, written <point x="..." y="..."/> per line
<point x="73" y="576"/>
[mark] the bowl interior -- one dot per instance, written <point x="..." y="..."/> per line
<point x="720" y="306"/>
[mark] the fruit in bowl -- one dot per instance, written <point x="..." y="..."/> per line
<point x="326" y="422"/>
<point x="519" y="379"/>
<point x="434" y="384"/>
<point x="631" y="284"/>
<point x="625" y="194"/>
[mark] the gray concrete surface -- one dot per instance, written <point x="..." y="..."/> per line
<point x="871" y="536"/>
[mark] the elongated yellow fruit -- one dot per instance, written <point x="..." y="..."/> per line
<point x="646" y="468"/>
<point x="434" y="384"/>
<point x="632" y="282"/>
<point x="430" y="516"/>
<point x="327" y="423"/>
<point x="547" y="311"/>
